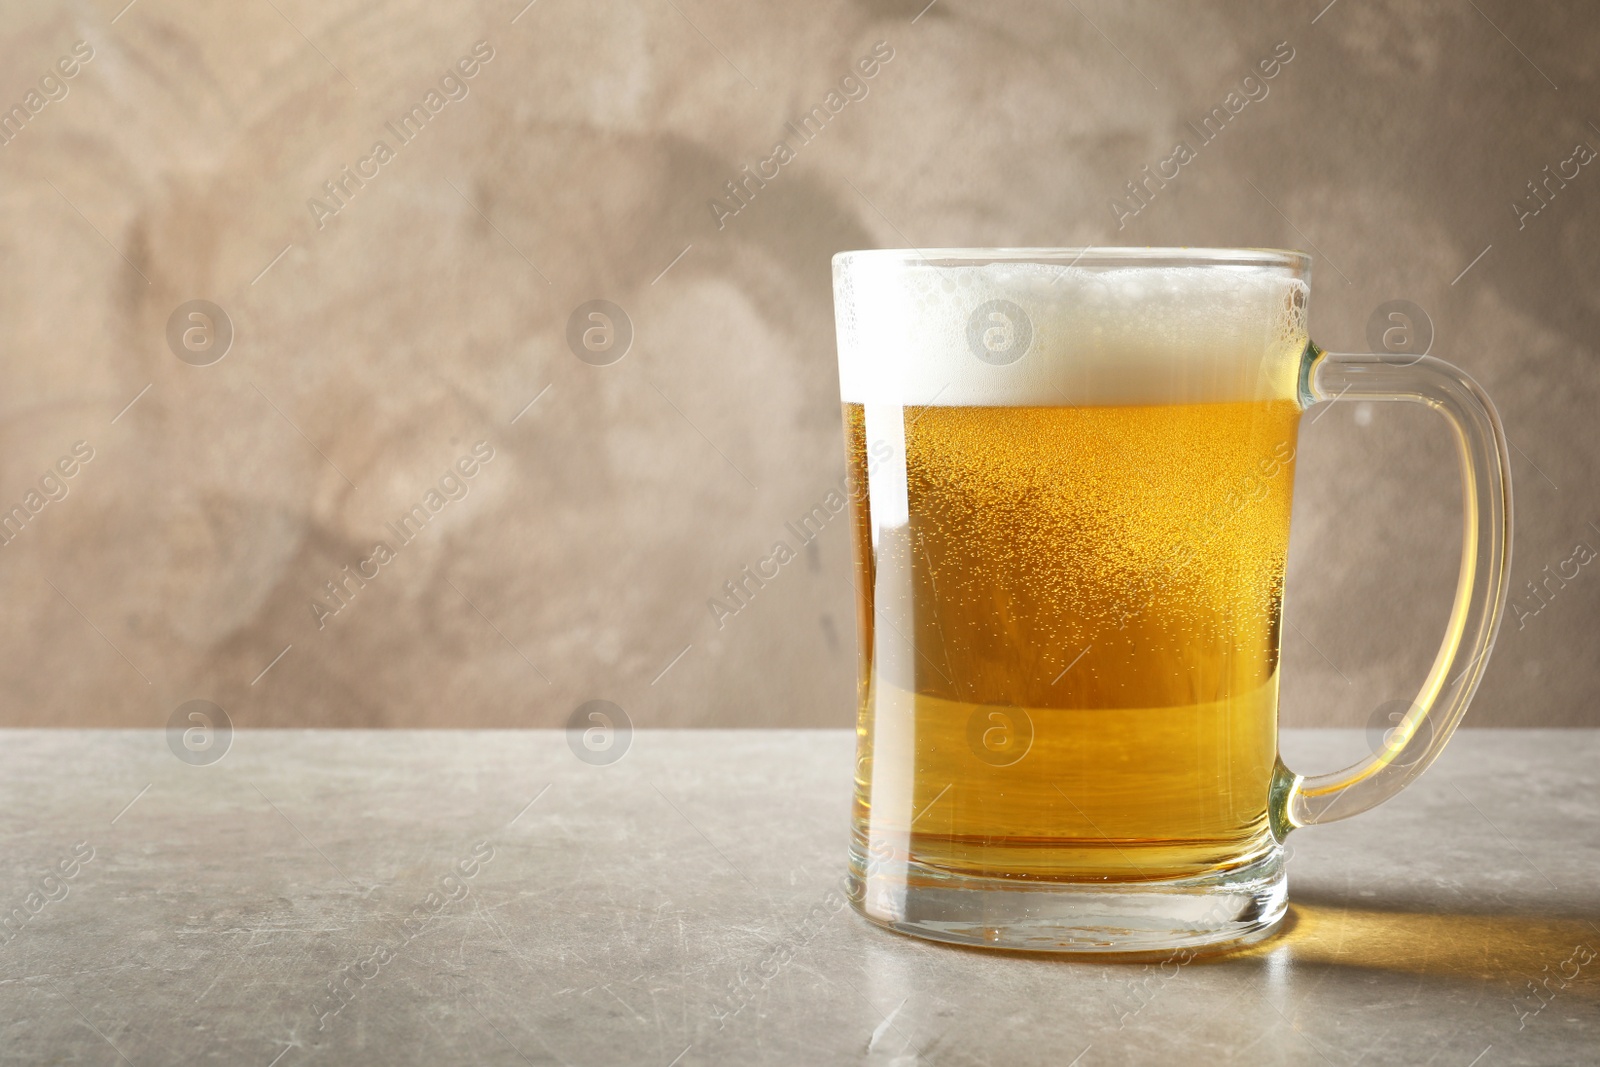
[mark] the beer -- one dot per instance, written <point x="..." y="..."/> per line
<point x="1102" y="585"/>
<point x="1071" y="473"/>
<point x="1070" y="571"/>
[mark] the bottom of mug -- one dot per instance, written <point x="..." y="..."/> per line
<point x="1215" y="911"/>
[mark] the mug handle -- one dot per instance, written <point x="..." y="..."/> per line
<point x="1480" y="600"/>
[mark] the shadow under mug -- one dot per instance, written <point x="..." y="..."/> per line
<point x="1071" y="476"/>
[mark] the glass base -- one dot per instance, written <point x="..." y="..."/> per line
<point x="1222" y="909"/>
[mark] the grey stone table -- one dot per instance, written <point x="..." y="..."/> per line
<point x="485" y="897"/>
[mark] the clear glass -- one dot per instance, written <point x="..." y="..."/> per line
<point x="1072" y="472"/>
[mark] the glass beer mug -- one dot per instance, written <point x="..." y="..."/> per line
<point x="1071" y="475"/>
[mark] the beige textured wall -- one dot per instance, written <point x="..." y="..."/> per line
<point x="426" y="313"/>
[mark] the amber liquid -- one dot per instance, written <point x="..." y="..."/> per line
<point x="1070" y="629"/>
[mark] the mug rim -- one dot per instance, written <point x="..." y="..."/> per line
<point x="1088" y="257"/>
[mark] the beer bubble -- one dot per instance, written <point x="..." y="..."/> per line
<point x="999" y="332"/>
<point x="199" y="332"/>
<point x="999" y="735"/>
<point x="599" y="332"/>
<point x="199" y="732"/>
<point x="599" y="732"/>
<point x="1382" y="725"/>
<point x="1399" y="327"/>
<point x="1026" y="333"/>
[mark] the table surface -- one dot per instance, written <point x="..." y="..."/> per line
<point x="487" y="897"/>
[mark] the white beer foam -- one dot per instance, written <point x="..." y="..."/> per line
<point x="912" y="332"/>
